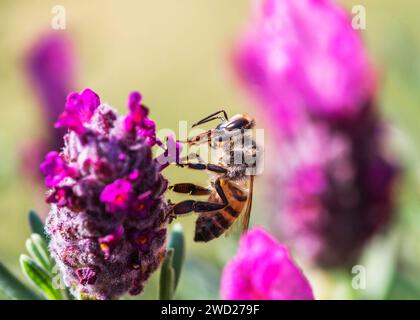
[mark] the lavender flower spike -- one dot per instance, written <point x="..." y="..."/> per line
<point x="107" y="221"/>
<point x="49" y="65"/>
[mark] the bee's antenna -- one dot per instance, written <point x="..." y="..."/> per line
<point x="212" y="117"/>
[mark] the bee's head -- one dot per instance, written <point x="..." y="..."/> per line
<point x="238" y="121"/>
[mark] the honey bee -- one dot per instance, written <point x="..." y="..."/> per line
<point x="231" y="177"/>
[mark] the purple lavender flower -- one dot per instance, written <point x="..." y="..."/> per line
<point x="307" y="68"/>
<point x="108" y="219"/>
<point x="263" y="270"/>
<point x="50" y="68"/>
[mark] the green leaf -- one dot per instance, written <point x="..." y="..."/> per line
<point x="36" y="224"/>
<point x="203" y="276"/>
<point x="405" y="286"/>
<point x="68" y="294"/>
<point x="177" y="243"/>
<point x="380" y="262"/>
<point x="39" y="277"/>
<point x="12" y="288"/>
<point x="38" y="250"/>
<point x="167" y="278"/>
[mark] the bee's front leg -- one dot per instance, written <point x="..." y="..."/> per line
<point x="201" y="138"/>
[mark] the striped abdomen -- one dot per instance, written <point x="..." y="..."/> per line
<point x="211" y="225"/>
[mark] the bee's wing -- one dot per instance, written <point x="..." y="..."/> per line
<point x="242" y="222"/>
<point x="246" y="215"/>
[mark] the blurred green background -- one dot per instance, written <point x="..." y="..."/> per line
<point x="177" y="53"/>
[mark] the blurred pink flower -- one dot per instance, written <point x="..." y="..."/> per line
<point x="304" y="55"/>
<point x="336" y="191"/>
<point x="310" y="74"/>
<point x="263" y="270"/>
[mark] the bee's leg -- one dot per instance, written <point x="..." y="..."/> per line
<point x="201" y="138"/>
<point x="190" y="156"/>
<point x="204" y="166"/>
<point x="188" y="206"/>
<point x="190" y="188"/>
